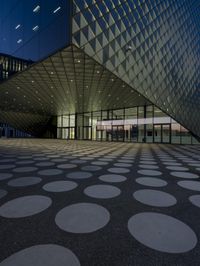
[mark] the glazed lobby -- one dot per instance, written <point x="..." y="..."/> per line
<point x="99" y="133"/>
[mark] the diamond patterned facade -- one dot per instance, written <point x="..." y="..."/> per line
<point x="153" y="46"/>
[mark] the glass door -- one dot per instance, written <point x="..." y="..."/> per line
<point x="118" y="133"/>
<point x="162" y="133"/>
<point x="157" y="133"/>
<point x="166" y="133"/>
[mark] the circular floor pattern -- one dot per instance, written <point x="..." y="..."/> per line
<point x="7" y="160"/>
<point x="195" y="200"/>
<point x="42" y="255"/>
<point x="91" y="168"/>
<point x="151" y="182"/>
<point x="67" y="166"/>
<point x="78" y="161"/>
<point x="123" y="165"/>
<point x="126" y="161"/>
<point x="192" y="185"/>
<point x="41" y="159"/>
<point x="113" y="178"/>
<point x="45" y="164"/>
<point x="172" y="164"/>
<point x="58" y="160"/>
<point x="79" y="175"/>
<point x="60" y="186"/>
<point x="3" y="193"/>
<point x="105" y="159"/>
<point x="162" y="232"/>
<point x="24" y="181"/>
<point x="24" y="169"/>
<point x="82" y="218"/>
<point x="50" y="172"/>
<point x="147" y="162"/>
<point x="25" y="162"/>
<point x="118" y="170"/>
<point x="147" y="166"/>
<point x="177" y="168"/>
<point x="149" y="172"/>
<point x="102" y="191"/>
<point x="25" y="206"/>
<point x="184" y="175"/>
<point x="154" y="198"/>
<point x="4" y="176"/>
<point x="99" y="163"/>
<point x="7" y="166"/>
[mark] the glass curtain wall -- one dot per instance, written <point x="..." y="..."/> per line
<point x="146" y="124"/>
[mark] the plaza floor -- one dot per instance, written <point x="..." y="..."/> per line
<point x="70" y="203"/>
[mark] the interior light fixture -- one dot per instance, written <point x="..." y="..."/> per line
<point x="35" y="28"/>
<point x="18" y="26"/>
<point x="36" y="9"/>
<point x="57" y="9"/>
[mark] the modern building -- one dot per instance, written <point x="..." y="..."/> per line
<point x="116" y="70"/>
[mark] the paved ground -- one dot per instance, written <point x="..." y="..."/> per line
<point x="94" y="204"/>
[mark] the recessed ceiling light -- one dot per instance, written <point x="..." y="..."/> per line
<point x="18" y="26"/>
<point x="52" y="73"/>
<point x="36" y="9"/>
<point x="71" y="80"/>
<point x="35" y="28"/>
<point x="112" y="80"/>
<point x="57" y="9"/>
<point x="19" y="41"/>
<point x="98" y="71"/>
<point x="32" y="81"/>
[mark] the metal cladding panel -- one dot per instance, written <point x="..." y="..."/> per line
<point x="154" y="46"/>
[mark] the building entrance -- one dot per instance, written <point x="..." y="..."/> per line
<point x="162" y="133"/>
<point x="118" y="133"/>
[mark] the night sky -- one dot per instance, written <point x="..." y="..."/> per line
<point x="33" y="29"/>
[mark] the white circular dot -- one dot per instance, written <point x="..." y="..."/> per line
<point x="42" y="255"/>
<point x="3" y="193"/>
<point x="24" y="181"/>
<point x="25" y="206"/>
<point x="151" y="181"/>
<point x="112" y="178"/>
<point x="91" y="168"/>
<point x="162" y="232"/>
<point x="50" y="172"/>
<point x="192" y="185"/>
<point x="102" y="191"/>
<point x="82" y="218"/>
<point x="60" y="186"/>
<point x="45" y="164"/>
<point x="79" y="175"/>
<point x="184" y="175"/>
<point x="7" y="166"/>
<point x="4" y="176"/>
<point x="150" y="172"/>
<point x="67" y="166"/>
<point x="154" y="198"/>
<point x="177" y="168"/>
<point x="195" y="200"/>
<point x="25" y="169"/>
<point x="118" y="170"/>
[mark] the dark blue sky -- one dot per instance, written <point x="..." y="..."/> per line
<point x="32" y="29"/>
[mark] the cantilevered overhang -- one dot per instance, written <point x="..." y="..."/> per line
<point x="69" y="81"/>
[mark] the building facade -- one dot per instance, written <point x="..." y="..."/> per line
<point x="108" y="70"/>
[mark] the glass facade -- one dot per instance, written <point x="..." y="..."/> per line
<point x="7" y="131"/>
<point x="33" y="29"/>
<point x="146" y="124"/>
